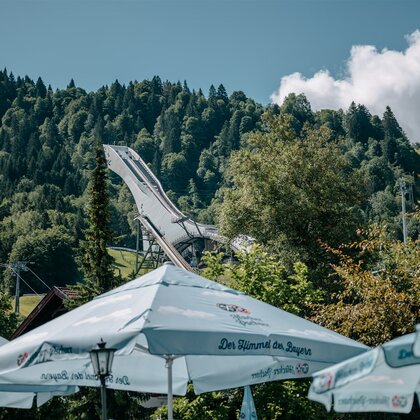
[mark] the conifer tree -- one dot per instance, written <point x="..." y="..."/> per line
<point x="95" y="262"/>
<point x="41" y="90"/>
<point x="221" y="93"/>
<point x="392" y="132"/>
<point x="212" y="95"/>
<point x="358" y="123"/>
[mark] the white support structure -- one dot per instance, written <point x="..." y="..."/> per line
<point x="173" y="231"/>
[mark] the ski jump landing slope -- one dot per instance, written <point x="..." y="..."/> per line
<point x="174" y="231"/>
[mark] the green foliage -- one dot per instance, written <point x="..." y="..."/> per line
<point x="286" y="400"/>
<point x="145" y="146"/>
<point x="264" y="277"/>
<point x="378" y="289"/>
<point x="38" y="247"/>
<point x="175" y="172"/>
<point x="358" y="123"/>
<point x="46" y="137"/>
<point x="86" y="405"/>
<point x="8" y="319"/>
<point x="213" y="405"/>
<point x="273" y="400"/>
<point x="305" y="195"/>
<point x="298" y="109"/>
<point x="39" y="225"/>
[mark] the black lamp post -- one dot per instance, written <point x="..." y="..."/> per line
<point x="102" y="359"/>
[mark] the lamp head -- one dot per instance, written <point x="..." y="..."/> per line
<point x="102" y="358"/>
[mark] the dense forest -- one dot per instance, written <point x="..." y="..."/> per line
<point x="46" y="154"/>
<point x="319" y="191"/>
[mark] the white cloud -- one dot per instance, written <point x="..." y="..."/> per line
<point x="373" y="78"/>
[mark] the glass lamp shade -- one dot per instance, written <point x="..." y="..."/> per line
<point x="102" y="359"/>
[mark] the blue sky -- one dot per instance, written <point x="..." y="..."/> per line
<point x="246" y="45"/>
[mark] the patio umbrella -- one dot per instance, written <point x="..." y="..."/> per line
<point x="22" y="396"/>
<point x="201" y="330"/>
<point x="382" y="379"/>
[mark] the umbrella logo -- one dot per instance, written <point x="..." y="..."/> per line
<point x="21" y="358"/>
<point x="302" y="368"/>
<point x="324" y="382"/>
<point x="232" y="308"/>
<point x="399" y="401"/>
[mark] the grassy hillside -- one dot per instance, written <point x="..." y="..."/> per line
<point x="125" y="262"/>
<point x="27" y="304"/>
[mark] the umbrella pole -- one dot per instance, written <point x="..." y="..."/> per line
<point x="169" y="362"/>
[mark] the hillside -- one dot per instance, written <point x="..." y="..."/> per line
<point x="187" y="138"/>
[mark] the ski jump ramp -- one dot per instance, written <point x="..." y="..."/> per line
<point x="172" y="230"/>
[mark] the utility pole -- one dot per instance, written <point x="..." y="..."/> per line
<point x="17" y="292"/>
<point x="16" y="268"/>
<point x="403" y="191"/>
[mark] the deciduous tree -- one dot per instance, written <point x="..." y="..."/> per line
<point x="378" y="295"/>
<point x="290" y="193"/>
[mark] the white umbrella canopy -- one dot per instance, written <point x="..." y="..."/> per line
<point x="24" y="399"/>
<point x="383" y="379"/>
<point x="20" y="399"/>
<point x="217" y="337"/>
<point x="134" y="372"/>
<point x="22" y="396"/>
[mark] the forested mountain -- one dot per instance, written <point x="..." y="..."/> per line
<point x="46" y="153"/>
<point x="187" y="138"/>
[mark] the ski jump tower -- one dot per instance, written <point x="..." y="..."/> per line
<point x="165" y="225"/>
